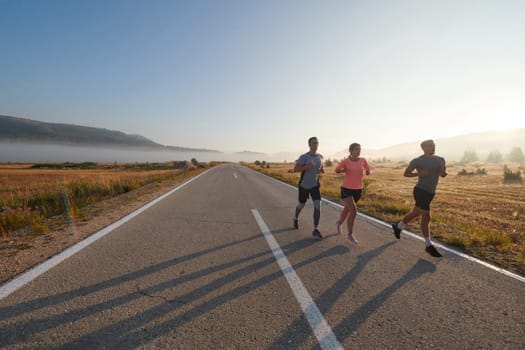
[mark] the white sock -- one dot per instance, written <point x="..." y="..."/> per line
<point x="427" y="241"/>
<point x="401" y="225"/>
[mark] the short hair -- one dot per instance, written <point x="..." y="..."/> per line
<point x="311" y="139"/>
<point x="427" y="142"/>
<point x="353" y="146"/>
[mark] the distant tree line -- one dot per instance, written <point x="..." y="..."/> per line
<point x="66" y="165"/>
<point x="262" y="164"/>
<point x="515" y="155"/>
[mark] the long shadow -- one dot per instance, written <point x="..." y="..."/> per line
<point x="126" y="333"/>
<point x="296" y="330"/>
<point x="37" y="325"/>
<point x="330" y="235"/>
<point x="41" y="324"/>
<point x="353" y="321"/>
<point x="33" y="305"/>
<point x="329" y="298"/>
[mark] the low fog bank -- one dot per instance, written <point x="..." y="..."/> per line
<point x="482" y="145"/>
<point x="49" y="153"/>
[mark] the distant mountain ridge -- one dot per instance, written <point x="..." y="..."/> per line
<point x="22" y="130"/>
<point x="251" y="153"/>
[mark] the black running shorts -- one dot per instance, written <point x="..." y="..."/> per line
<point x="346" y="192"/>
<point x="423" y="198"/>
<point x="305" y="193"/>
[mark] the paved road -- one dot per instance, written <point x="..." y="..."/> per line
<point x="196" y="271"/>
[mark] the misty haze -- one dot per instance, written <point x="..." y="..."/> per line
<point x="41" y="153"/>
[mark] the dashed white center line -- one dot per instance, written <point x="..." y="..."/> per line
<point x="322" y="331"/>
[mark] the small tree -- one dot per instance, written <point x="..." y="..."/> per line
<point x="194" y="161"/>
<point x="470" y="155"/>
<point x="516" y="155"/>
<point x="494" y="157"/>
<point x="328" y="163"/>
<point x="510" y="176"/>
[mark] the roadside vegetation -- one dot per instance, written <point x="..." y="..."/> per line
<point x="482" y="213"/>
<point x="510" y="176"/>
<point x="32" y="194"/>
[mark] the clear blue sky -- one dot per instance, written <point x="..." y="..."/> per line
<point x="265" y="75"/>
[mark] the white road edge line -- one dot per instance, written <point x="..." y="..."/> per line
<point x="322" y="331"/>
<point x="416" y="236"/>
<point x="234" y="175"/>
<point x="39" y="269"/>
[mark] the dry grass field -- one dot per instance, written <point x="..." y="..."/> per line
<point x="30" y="196"/>
<point x="476" y="213"/>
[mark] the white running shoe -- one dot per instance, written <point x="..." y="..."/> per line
<point x="351" y="238"/>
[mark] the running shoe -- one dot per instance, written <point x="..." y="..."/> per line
<point x="317" y="234"/>
<point x="338" y="226"/>
<point x="397" y="231"/>
<point x="352" y="239"/>
<point x="433" y="251"/>
<point x="296" y="224"/>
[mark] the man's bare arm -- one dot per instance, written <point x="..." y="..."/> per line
<point x="302" y="167"/>
<point x="443" y="171"/>
<point x="412" y="172"/>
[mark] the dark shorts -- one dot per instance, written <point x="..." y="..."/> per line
<point x="423" y="198"/>
<point x="346" y="192"/>
<point x="305" y="193"/>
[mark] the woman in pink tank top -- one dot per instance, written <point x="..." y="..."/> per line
<point x="352" y="188"/>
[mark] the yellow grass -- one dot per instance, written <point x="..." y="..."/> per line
<point x="28" y="197"/>
<point x="478" y="214"/>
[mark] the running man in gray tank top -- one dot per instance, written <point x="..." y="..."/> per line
<point x="428" y="168"/>
<point x="310" y="165"/>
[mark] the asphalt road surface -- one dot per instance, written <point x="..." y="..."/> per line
<point x="217" y="265"/>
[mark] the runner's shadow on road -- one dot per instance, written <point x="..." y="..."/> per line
<point x="40" y="303"/>
<point x="283" y="230"/>
<point x="352" y="322"/>
<point x="330" y="235"/>
<point x="125" y="333"/>
<point x="296" y="332"/>
<point x="291" y="229"/>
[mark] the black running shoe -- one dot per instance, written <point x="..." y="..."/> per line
<point x="433" y="251"/>
<point x="317" y="234"/>
<point x="397" y="231"/>
<point x="296" y="224"/>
